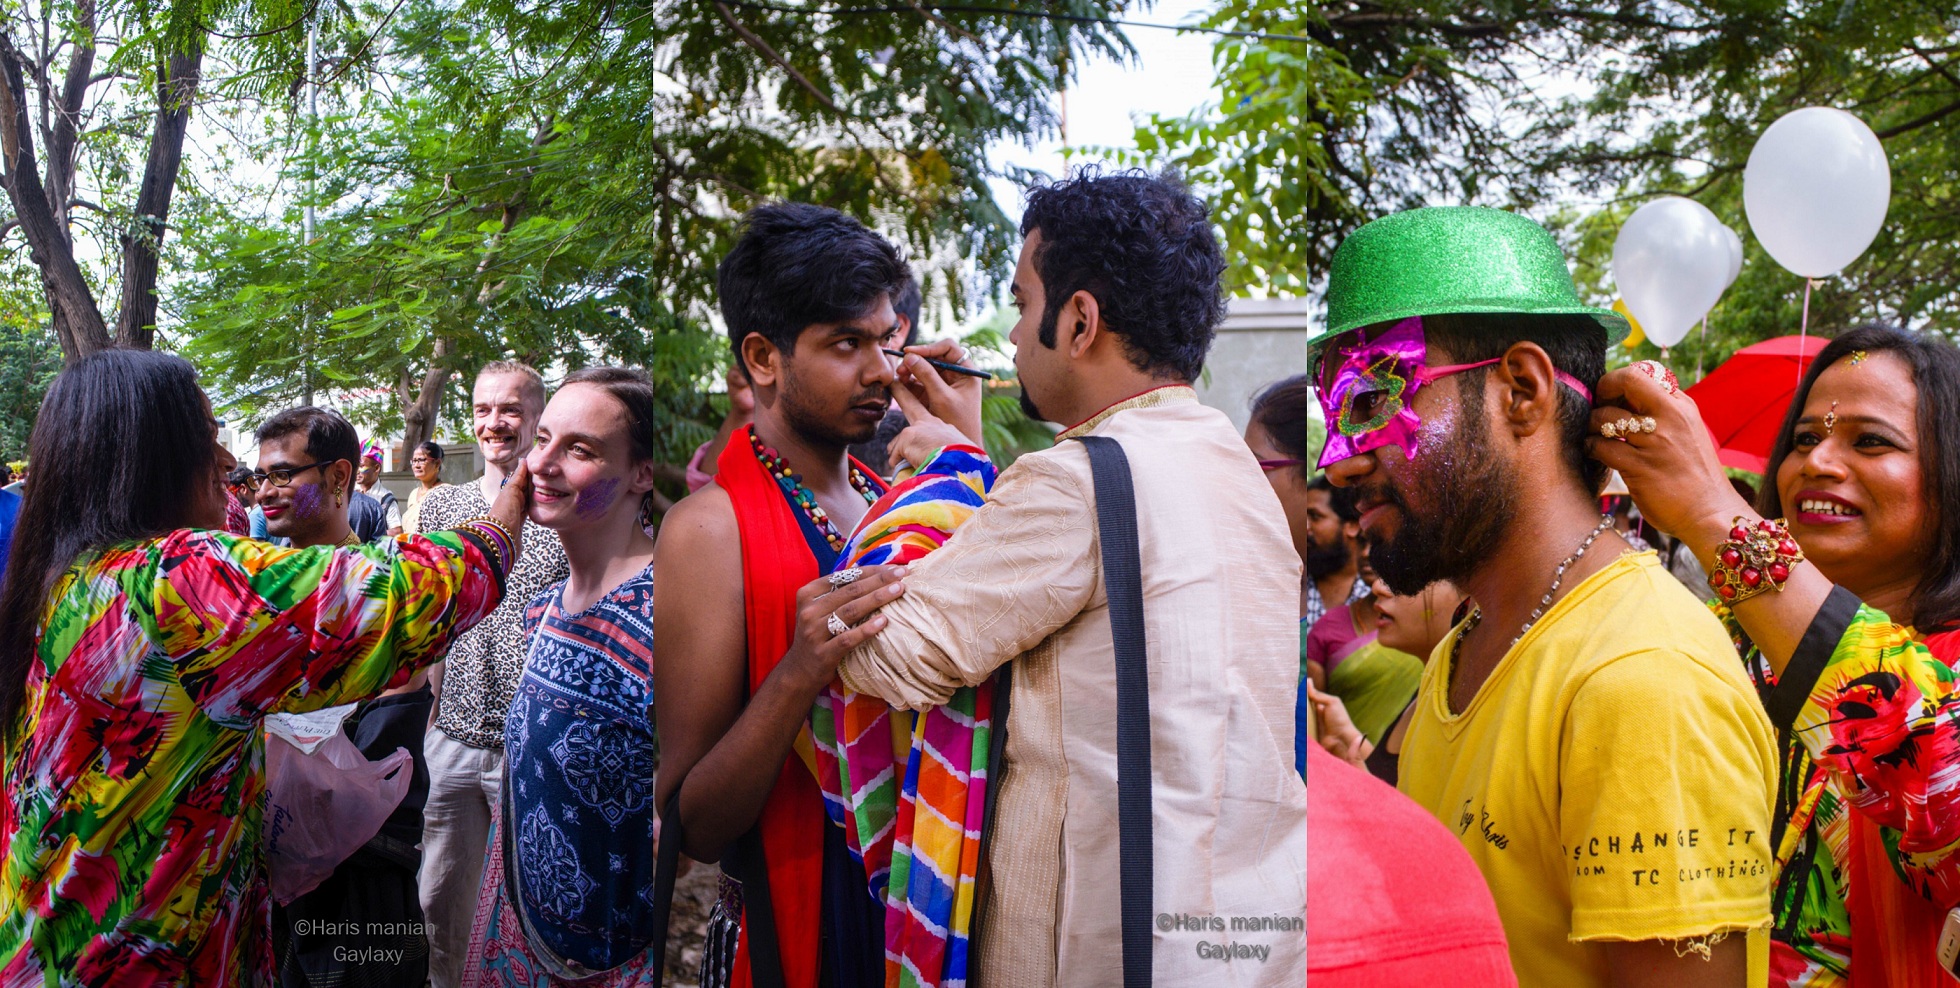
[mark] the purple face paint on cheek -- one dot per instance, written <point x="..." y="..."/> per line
<point x="596" y="498"/>
<point x="308" y="500"/>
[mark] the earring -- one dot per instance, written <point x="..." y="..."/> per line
<point x="336" y="497"/>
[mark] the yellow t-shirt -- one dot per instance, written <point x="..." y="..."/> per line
<point x="1612" y="779"/>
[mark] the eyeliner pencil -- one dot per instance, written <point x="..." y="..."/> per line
<point x="943" y="365"/>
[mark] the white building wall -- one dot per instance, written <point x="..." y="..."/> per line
<point x="1261" y="341"/>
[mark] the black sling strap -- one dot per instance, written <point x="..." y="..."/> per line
<point x="1116" y="525"/>
<point x="665" y="867"/>
<point x="745" y="863"/>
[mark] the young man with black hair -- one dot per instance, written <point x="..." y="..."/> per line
<point x="743" y="650"/>
<point x="305" y="477"/>
<point x="305" y="480"/>
<point x="1586" y="730"/>
<point x="1118" y="288"/>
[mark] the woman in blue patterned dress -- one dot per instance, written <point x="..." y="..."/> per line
<point x="568" y="877"/>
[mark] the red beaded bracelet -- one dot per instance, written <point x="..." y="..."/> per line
<point x="1753" y="560"/>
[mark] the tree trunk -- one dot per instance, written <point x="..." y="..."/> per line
<point x="65" y="128"/>
<point x="143" y="242"/>
<point x="419" y="414"/>
<point x="77" y="319"/>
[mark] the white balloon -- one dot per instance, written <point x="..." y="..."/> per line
<point x="1670" y="261"/>
<point x="1816" y="189"/>
<point x="1735" y="256"/>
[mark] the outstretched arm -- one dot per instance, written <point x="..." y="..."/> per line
<point x="255" y="629"/>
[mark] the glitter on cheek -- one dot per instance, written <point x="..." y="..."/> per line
<point x="596" y="498"/>
<point x="1436" y="429"/>
<point x="308" y="502"/>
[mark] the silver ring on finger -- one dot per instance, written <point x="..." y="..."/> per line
<point x="836" y="625"/>
<point x="844" y="578"/>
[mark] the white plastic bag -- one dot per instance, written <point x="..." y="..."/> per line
<point x="324" y="798"/>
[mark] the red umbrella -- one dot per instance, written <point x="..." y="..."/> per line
<point x="1743" y="400"/>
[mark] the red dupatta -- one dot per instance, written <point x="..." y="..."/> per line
<point x="775" y="564"/>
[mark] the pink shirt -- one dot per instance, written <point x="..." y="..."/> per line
<point x="1333" y="637"/>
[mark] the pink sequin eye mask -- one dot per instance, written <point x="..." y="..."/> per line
<point x="1369" y="402"/>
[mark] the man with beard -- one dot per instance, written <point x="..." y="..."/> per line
<point x="1333" y="551"/>
<point x="1586" y="731"/>
<point x="807" y="297"/>
<point x="1118" y="290"/>
<point x="475" y="682"/>
<point x="305" y="481"/>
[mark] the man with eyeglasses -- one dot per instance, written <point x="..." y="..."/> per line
<point x="305" y="482"/>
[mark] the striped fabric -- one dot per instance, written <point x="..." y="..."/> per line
<point x="910" y="789"/>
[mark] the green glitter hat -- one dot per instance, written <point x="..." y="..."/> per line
<point x="1450" y="259"/>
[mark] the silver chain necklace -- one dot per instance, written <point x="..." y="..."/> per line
<point x="1558" y="577"/>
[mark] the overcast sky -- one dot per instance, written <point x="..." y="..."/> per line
<point x="1171" y="74"/>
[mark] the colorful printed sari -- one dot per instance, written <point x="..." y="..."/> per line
<point x="135" y="786"/>
<point x="1868" y="800"/>
<point x="910" y="788"/>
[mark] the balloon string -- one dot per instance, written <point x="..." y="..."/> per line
<point x="1803" y="328"/>
<point x="1701" y="351"/>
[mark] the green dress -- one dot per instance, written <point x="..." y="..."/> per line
<point x="1375" y="682"/>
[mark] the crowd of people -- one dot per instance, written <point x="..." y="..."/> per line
<point x="1075" y="720"/>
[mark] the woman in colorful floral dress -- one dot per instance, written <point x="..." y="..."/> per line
<point x="1853" y="651"/>
<point x="140" y="648"/>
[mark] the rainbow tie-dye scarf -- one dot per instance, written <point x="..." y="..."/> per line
<point x="910" y="790"/>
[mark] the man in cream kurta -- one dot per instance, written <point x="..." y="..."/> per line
<point x="1022" y="581"/>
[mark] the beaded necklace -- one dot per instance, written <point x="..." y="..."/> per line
<point x="1558" y="577"/>
<point x="773" y="464"/>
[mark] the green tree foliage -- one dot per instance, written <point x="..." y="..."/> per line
<point x="1332" y="113"/>
<point x="1730" y="69"/>
<point x="95" y="102"/>
<point x="557" y="181"/>
<point x="1542" y="105"/>
<point x="29" y="359"/>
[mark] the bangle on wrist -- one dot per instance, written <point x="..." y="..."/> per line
<point x="1756" y="558"/>
<point x="503" y="545"/>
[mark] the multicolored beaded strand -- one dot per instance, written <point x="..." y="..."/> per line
<point x="792" y="485"/>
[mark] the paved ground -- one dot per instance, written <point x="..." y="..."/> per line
<point x="687" y="927"/>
